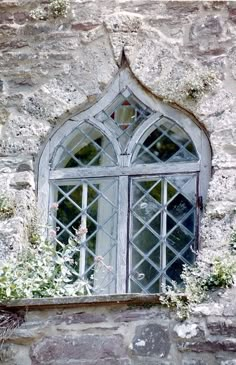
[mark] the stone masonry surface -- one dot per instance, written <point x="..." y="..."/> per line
<point x="53" y="69"/>
<point x="73" y="332"/>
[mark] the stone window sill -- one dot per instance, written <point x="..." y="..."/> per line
<point x="38" y="303"/>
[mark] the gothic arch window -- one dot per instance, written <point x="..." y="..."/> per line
<point x="130" y="171"/>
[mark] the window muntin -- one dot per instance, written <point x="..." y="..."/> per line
<point x="123" y="169"/>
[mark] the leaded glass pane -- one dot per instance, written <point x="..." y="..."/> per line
<point x="166" y="142"/>
<point x="162" y="235"/>
<point x="87" y="146"/>
<point x="90" y="205"/>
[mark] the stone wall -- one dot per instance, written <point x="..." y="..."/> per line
<point x="126" y="331"/>
<point x="52" y="69"/>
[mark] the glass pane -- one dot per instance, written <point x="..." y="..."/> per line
<point x="175" y="271"/>
<point x="189" y="223"/>
<point x="171" y="191"/>
<point x="164" y="148"/>
<point x="189" y="255"/>
<point x="170" y="255"/>
<point x="144" y="274"/>
<point x="124" y="115"/>
<point x="178" y="134"/>
<point x="165" y="142"/>
<point x="146" y="240"/>
<point x="147" y="198"/>
<point x="155" y="288"/>
<point x="178" y="239"/>
<point x="179" y="206"/>
<point x="86" y="146"/>
<point x="92" y="206"/>
<point x="155" y="224"/>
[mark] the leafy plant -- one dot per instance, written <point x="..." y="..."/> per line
<point x="209" y="272"/>
<point x="202" y="83"/>
<point x="55" y="9"/>
<point x="7" y="207"/>
<point x="193" y="85"/>
<point x="42" y="271"/>
<point x="233" y="242"/>
<point x="39" y="14"/>
<point x="59" y="8"/>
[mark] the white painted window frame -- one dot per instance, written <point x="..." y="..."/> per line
<point x="125" y="169"/>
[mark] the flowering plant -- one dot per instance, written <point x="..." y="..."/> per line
<point x="43" y="270"/>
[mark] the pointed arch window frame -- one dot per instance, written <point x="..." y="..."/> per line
<point x="124" y="167"/>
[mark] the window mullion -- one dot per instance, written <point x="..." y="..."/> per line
<point x="122" y="235"/>
<point x="163" y="232"/>
<point x="82" y="260"/>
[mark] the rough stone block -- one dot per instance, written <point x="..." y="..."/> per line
<point x="20" y="17"/>
<point x="188" y="330"/>
<point x="182" y="7"/>
<point x="80" y="317"/>
<point x="221" y="326"/>
<point x="88" y="348"/>
<point x="25" y="166"/>
<point x="123" y="22"/>
<point x="22" y="180"/>
<point x="151" y="340"/>
<point x="83" y="26"/>
<point x="209" y="346"/>
<point x="194" y="362"/>
<point x="150" y="361"/>
<point x="206" y="27"/>
<point x="232" y="10"/>
<point x="7" y="31"/>
<point x="209" y="309"/>
<point x="6" y="17"/>
<point x="138" y="314"/>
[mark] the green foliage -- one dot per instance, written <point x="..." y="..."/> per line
<point x="233" y="242"/>
<point x="59" y="8"/>
<point x="222" y="273"/>
<point x="55" y="9"/>
<point x="192" y="86"/>
<point x="7" y="207"/>
<point x="202" y="83"/>
<point x="42" y="271"/>
<point x="209" y="272"/>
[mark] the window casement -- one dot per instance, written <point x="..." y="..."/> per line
<point x="130" y="171"/>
